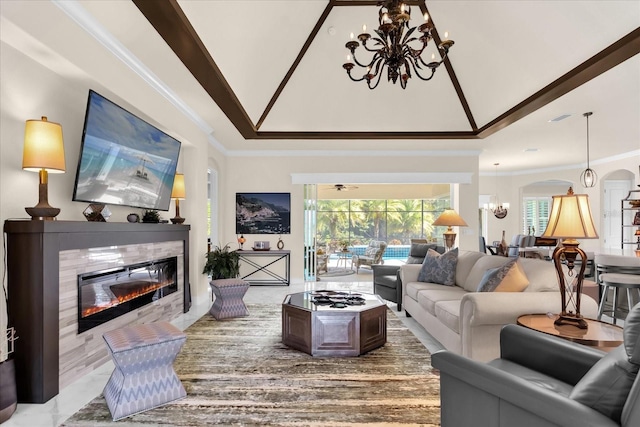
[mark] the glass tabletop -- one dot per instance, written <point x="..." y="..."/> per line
<point x="323" y="300"/>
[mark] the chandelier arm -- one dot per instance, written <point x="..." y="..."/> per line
<point x="407" y="34"/>
<point x="353" y="55"/>
<point x="378" y="74"/>
<point x="417" y="73"/>
<point x="378" y="41"/>
<point x="354" y="79"/>
<point x="438" y="63"/>
<point x="379" y="66"/>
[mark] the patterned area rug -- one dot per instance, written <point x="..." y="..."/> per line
<point x="237" y="372"/>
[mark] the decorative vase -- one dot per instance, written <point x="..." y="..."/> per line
<point x="503" y="248"/>
<point x="8" y="392"/>
<point x="280" y="244"/>
<point x="133" y="217"/>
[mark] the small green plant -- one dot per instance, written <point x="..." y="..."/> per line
<point x="150" y="215"/>
<point x="222" y="263"/>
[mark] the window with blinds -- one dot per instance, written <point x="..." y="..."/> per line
<point x="535" y="215"/>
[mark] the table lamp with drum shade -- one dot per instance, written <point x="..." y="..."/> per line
<point x="450" y="218"/>
<point x="570" y="219"/>
<point x="43" y="152"/>
<point x="178" y="193"/>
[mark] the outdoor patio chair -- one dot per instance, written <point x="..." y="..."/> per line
<point x="372" y="255"/>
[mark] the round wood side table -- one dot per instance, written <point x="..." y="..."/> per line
<point x="601" y="335"/>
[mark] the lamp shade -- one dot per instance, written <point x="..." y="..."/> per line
<point x="571" y="217"/>
<point x="178" y="191"/>
<point x="450" y="218"/>
<point x="43" y="146"/>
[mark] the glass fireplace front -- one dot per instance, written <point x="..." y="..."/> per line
<point x="107" y="294"/>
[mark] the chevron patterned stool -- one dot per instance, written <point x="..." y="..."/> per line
<point x="143" y="377"/>
<point x="228" y="303"/>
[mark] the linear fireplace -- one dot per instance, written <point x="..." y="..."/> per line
<point x="106" y="294"/>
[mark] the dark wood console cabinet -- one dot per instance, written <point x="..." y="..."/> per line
<point x="33" y="286"/>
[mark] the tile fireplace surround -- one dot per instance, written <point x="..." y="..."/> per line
<point x="44" y="259"/>
<point x="82" y="353"/>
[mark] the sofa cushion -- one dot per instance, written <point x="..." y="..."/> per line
<point x="507" y="278"/>
<point x="607" y="384"/>
<point x="541" y="274"/>
<point x="466" y="260"/>
<point x="448" y="313"/>
<point x="412" y="289"/>
<point x="429" y="298"/>
<point x="479" y="268"/>
<point x="438" y="268"/>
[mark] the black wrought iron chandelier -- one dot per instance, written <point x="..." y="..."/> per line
<point x="392" y="47"/>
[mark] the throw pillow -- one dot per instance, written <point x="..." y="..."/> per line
<point x="606" y="386"/>
<point x="440" y="269"/>
<point x="370" y="252"/>
<point x="508" y="278"/>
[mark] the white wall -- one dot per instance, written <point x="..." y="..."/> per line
<point x="273" y="174"/>
<point x="511" y="190"/>
<point x="29" y="91"/>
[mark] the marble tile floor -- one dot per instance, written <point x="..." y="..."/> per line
<point x="76" y="395"/>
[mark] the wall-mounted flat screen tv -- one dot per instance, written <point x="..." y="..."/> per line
<point x="124" y="160"/>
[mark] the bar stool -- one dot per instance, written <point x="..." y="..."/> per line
<point x="617" y="272"/>
<point x="228" y="302"/>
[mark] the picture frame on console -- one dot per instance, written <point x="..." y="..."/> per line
<point x="263" y="213"/>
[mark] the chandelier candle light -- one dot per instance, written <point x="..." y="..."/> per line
<point x="392" y="47"/>
<point x="570" y="219"/>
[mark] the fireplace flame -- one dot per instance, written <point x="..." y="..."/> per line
<point x="138" y="291"/>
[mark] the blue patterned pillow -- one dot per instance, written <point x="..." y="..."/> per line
<point x="507" y="278"/>
<point x="440" y="269"/>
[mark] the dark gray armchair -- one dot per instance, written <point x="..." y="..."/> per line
<point x="386" y="280"/>
<point x="540" y="380"/>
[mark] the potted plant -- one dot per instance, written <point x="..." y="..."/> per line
<point x="222" y="263"/>
<point x="150" y="215"/>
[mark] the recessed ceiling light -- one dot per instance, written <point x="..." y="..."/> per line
<point x="559" y="118"/>
<point x="530" y="150"/>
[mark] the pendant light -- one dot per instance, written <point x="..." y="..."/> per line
<point x="588" y="177"/>
<point x="498" y="209"/>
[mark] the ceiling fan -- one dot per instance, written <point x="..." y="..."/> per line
<point x="342" y="187"/>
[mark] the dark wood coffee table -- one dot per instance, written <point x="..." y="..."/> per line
<point x="601" y="335"/>
<point x="322" y="330"/>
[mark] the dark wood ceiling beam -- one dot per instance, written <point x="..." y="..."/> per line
<point x="452" y="74"/>
<point x="295" y="64"/>
<point x="172" y="24"/>
<point x="614" y="55"/>
<point x="302" y="135"/>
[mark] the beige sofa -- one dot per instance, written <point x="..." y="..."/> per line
<point x="468" y="322"/>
